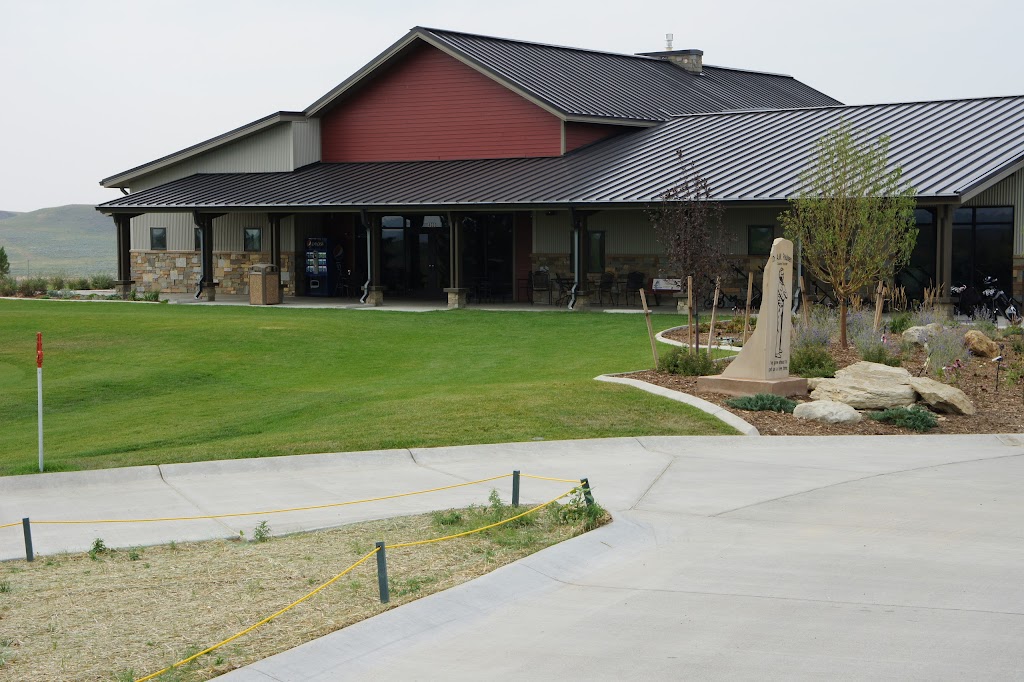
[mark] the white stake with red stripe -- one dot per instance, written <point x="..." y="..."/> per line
<point x="39" y="384"/>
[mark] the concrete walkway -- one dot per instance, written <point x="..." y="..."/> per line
<point x="729" y="557"/>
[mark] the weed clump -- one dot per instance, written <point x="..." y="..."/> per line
<point x="913" y="418"/>
<point x="762" y="402"/>
<point x="811" y="361"/>
<point x="680" y="361"/>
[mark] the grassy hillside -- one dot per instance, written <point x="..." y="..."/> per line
<point x="135" y="383"/>
<point x="74" y="239"/>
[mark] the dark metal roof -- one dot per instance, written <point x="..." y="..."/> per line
<point x="589" y="83"/>
<point x="947" y="150"/>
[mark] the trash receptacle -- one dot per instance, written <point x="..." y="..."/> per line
<point x="264" y="284"/>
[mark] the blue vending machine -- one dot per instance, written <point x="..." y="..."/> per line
<point x="318" y="269"/>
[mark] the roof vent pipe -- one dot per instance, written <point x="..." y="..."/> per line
<point x="668" y="41"/>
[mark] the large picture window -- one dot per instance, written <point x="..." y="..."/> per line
<point x="759" y="239"/>
<point x="158" y="238"/>
<point x="983" y="245"/>
<point x="252" y="240"/>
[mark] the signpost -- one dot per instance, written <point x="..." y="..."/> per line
<point x="39" y="384"/>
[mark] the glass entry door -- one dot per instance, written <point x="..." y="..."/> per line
<point x="414" y="255"/>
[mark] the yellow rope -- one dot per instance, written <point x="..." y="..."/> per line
<point x="271" y="511"/>
<point x="548" y="478"/>
<point x="479" y="530"/>
<point x="11" y="525"/>
<point x="347" y="570"/>
<point x="262" y="622"/>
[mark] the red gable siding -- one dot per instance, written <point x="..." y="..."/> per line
<point x="580" y="134"/>
<point x="431" y="106"/>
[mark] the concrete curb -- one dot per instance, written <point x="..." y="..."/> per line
<point x="672" y="342"/>
<point x="744" y="427"/>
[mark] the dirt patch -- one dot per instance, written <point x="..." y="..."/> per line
<point x="999" y="410"/>
<point x="120" y="615"/>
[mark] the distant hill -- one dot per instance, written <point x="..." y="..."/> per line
<point x="74" y="239"/>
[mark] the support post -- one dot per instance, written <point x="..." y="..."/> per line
<point x="39" y="393"/>
<point x="204" y="221"/>
<point x="382" y="574"/>
<point x="373" y="292"/>
<point x="587" y="494"/>
<point x="579" y="296"/>
<point x="458" y="296"/>
<point x="515" y="488"/>
<point x="30" y="555"/>
<point x="944" y="259"/>
<point x="124" y="282"/>
<point x="650" y="329"/>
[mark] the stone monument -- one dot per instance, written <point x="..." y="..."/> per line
<point x="763" y="364"/>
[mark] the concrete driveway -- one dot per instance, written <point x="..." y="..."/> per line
<point x="729" y="558"/>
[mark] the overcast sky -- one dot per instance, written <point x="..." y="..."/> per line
<point x="94" y="87"/>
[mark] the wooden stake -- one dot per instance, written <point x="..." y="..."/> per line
<point x="714" y="307"/>
<point x="689" y="314"/>
<point x="807" y="302"/>
<point x="746" y="315"/>
<point x="650" y="329"/>
<point x="878" y="306"/>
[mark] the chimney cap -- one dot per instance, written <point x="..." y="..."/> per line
<point x="665" y="54"/>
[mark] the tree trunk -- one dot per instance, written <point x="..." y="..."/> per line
<point x="842" y="322"/>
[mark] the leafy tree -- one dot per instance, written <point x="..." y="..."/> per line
<point x="688" y="224"/>
<point x="5" y="264"/>
<point x="853" y="216"/>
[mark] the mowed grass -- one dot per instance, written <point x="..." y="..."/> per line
<point x="129" y="384"/>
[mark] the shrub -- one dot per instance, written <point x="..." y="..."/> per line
<point x="820" y="325"/>
<point x="761" y="402"/>
<point x="986" y="327"/>
<point x="261" y="533"/>
<point x="922" y="317"/>
<point x="58" y="281"/>
<point x="31" y="286"/>
<point x="882" y="354"/>
<point x="1013" y="330"/>
<point x="102" y="282"/>
<point x="811" y="361"/>
<point x="946" y="349"/>
<point x="78" y="283"/>
<point x="8" y="287"/>
<point x="153" y="296"/>
<point x="900" y="323"/>
<point x="907" y="417"/>
<point x="680" y="361"/>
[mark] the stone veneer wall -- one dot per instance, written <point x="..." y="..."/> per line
<point x="178" y="271"/>
<point x="1018" y="278"/>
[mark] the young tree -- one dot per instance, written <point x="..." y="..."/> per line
<point x="852" y="217"/>
<point x="688" y="224"/>
<point x="5" y="264"/>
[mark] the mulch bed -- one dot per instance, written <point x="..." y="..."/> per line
<point x="998" y="411"/>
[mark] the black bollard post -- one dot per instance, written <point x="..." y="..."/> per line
<point x="587" y="495"/>
<point x="27" y="527"/>
<point x="515" y="488"/>
<point x="382" y="574"/>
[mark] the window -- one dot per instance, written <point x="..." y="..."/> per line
<point x="759" y="239"/>
<point x="253" y="239"/>
<point x="198" y="237"/>
<point x="158" y="238"/>
<point x="983" y="245"/>
<point x="596" y="239"/>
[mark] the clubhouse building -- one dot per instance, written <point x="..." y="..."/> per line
<point x="465" y="167"/>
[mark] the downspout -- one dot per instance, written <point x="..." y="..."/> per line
<point x="369" y="256"/>
<point x="576" y="258"/>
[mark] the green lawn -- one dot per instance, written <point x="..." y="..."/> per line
<point x="129" y="384"/>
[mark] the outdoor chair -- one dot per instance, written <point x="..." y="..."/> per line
<point x="606" y="288"/>
<point x="541" y="286"/>
<point x="635" y="281"/>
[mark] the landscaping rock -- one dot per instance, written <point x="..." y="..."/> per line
<point x="813" y="382"/>
<point x="981" y="345"/>
<point x="868" y="386"/>
<point x="920" y="335"/>
<point x="942" y="397"/>
<point x="828" y="411"/>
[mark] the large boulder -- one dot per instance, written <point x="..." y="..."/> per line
<point x="979" y="344"/>
<point x="920" y="335"/>
<point x="828" y="411"/>
<point x="868" y="386"/>
<point x="942" y="397"/>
